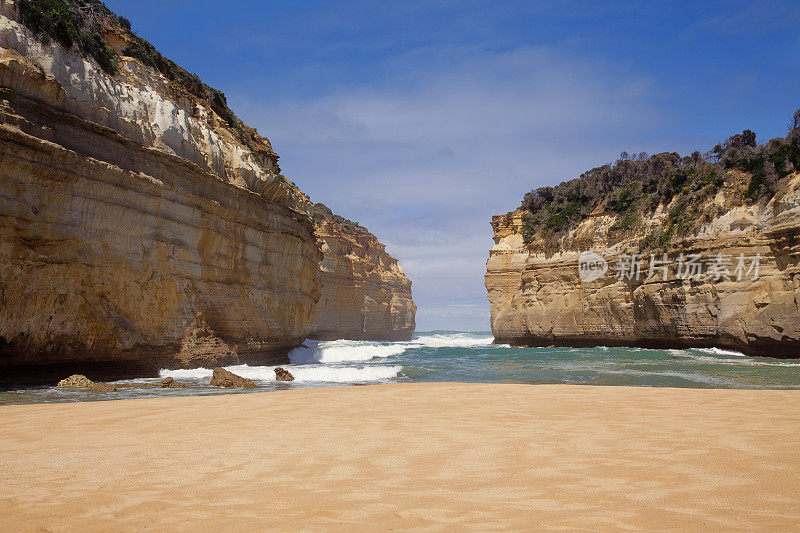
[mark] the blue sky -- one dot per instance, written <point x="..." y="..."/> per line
<point x="420" y="120"/>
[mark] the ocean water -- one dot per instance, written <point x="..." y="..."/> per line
<point x="466" y="357"/>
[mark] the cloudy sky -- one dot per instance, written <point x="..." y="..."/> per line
<point x="420" y="120"/>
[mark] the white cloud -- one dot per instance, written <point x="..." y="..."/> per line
<point x="447" y="138"/>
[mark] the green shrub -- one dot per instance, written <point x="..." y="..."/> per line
<point x="683" y="226"/>
<point x="625" y="197"/>
<point x="79" y="23"/>
<point x="529" y="229"/>
<point x="60" y="20"/>
<point x="636" y="185"/>
<point x="558" y="222"/>
<point x="625" y="222"/>
<point x="754" y="189"/>
<point x="657" y="238"/>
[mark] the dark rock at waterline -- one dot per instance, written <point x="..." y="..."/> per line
<point x="224" y="378"/>
<point x="169" y="383"/>
<point x="281" y="374"/>
<point x="76" y="381"/>
<point x="79" y="381"/>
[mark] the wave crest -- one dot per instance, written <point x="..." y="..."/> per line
<point x="311" y="373"/>
<point x="342" y="351"/>
<point x="452" y="340"/>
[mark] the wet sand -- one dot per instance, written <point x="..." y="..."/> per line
<point x="405" y="456"/>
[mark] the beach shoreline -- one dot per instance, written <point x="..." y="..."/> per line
<point x="407" y="455"/>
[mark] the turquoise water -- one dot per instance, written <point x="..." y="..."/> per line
<point x="468" y="357"/>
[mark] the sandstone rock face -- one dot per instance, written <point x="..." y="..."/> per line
<point x="225" y="378"/>
<point x="538" y="298"/>
<point x="137" y="229"/>
<point x="365" y="294"/>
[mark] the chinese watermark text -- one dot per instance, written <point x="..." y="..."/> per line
<point x="696" y="267"/>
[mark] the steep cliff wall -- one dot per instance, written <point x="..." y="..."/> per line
<point x="365" y="294"/>
<point x="538" y="297"/>
<point x="138" y="226"/>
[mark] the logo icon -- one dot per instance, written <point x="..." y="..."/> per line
<point x="591" y="266"/>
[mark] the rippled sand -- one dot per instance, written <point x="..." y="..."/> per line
<point x="407" y="455"/>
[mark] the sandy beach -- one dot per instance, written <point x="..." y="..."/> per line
<point x="407" y="456"/>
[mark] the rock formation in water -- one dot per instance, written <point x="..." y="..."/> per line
<point x="79" y="381"/>
<point x="715" y="239"/>
<point x="281" y="374"/>
<point x="170" y="383"/>
<point x="225" y="378"/>
<point x="365" y="294"/>
<point x="142" y="224"/>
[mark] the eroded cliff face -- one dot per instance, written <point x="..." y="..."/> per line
<point x="365" y="294"/>
<point x="537" y="296"/>
<point x="136" y="226"/>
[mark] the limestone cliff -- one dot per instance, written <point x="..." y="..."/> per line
<point x="365" y="294"/>
<point x="141" y="224"/>
<point x="538" y="297"/>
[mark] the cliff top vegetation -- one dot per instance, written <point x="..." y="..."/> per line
<point x="85" y="25"/>
<point x="635" y="185"/>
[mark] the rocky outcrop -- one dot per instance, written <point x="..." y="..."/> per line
<point x="225" y="378"/>
<point x="79" y="381"/>
<point x="103" y="387"/>
<point x="139" y="228"/>
<point x="281" y="374"/>
<point x="538" y="298"/>
<point x="365" y="294"/>
<point x="75" y="381"/>
<point x="170" y="383"/>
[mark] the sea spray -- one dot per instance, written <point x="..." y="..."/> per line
<point x="720" y="351"/>
<point x="453" y="340"/>
<point x="343" y="350"/>
<point x="338" y="351"/>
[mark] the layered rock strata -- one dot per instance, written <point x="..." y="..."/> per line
<point x="538" y="298"/>
<point x="138" y="229"/>
<point x="365" y="294"/>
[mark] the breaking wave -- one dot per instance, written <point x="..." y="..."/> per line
<point x="340" y="351"/>
<point x="452" y="340"/>
<point x="451" y="356"/>
<point x="720" y="351"/>
<point x="312" y="373"/>
<point x="327" y="361"/>
<point x="345" y="351"/>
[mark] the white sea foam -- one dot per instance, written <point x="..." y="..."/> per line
<point x="303" y="373"/>
<point x="688" y="376"/>
<point x="346" y="374"/>
<point x="452" y="340"/>
<point x="185" y="373"/>
<point x="342" y="350"/>
<point x="720" y="351"/>
<point x="741" y="359"/>
<point x="319" y="361"/>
